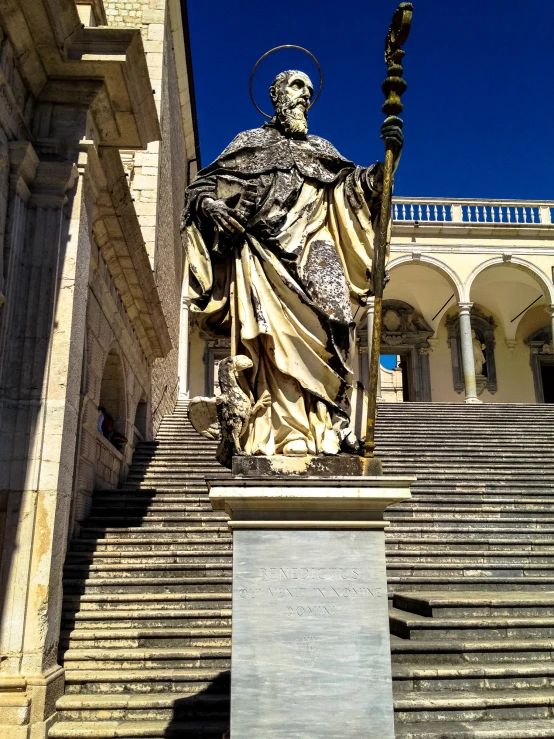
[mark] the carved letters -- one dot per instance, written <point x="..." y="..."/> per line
<point x="322" y="592"/>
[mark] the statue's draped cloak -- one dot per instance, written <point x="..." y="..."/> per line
<point x="305" y="256"/>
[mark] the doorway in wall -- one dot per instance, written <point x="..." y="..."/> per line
<point x="404" y="361"/>
<point x="395" y="378"/>
<point x="547" y="377"/>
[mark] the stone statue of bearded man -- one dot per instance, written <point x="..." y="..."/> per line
<point x="292" y="225"/>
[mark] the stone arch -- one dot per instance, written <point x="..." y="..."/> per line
<point x="113" y="396"/>
<point x="435" y="264"/>
<point x="522" y="264"/>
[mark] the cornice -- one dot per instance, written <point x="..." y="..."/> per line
<point x="109" y="64"/>
<point x="119" y="237"/>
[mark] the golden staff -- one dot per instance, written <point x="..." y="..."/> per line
<point x="393" y="87"/>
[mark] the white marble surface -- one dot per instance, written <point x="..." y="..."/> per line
<point x="311" y="652"/>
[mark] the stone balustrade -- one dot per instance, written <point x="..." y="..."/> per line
<point x="465" y="211"/>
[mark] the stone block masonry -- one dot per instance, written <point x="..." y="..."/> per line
<point x="157" y="179"/>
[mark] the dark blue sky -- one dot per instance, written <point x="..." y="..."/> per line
<point x="479" y="110"/>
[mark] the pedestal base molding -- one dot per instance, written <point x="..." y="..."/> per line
<point x="310" y="607"/>
<point x="28" y="703"/>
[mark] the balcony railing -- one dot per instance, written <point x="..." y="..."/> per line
<point x="436" y="210"/>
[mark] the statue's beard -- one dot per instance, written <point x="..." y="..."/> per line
<point x="292" y="116"/>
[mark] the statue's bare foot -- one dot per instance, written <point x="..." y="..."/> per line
<point x="296" y="448"/>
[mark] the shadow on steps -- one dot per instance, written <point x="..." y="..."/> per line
<point x="205" y="715"/>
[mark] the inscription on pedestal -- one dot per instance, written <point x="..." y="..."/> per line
<point x="311" y="652"/>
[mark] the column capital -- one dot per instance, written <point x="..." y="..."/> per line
<point x="465" y="307"/>
<point x="550" y="309"/>
<point x="53" y="181"/>
<point x="23" y="166"/>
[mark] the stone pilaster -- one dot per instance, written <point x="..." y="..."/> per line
<point x="37" y="437"/>
<point x="550" y="310"/>
<point x="468" y="364"/>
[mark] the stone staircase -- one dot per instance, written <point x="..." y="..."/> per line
<point x="146" y="632"/>
<point x="470" y="563"/>
<point x="147" y="612"/>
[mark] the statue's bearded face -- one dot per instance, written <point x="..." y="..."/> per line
<point x="291" y="93"/>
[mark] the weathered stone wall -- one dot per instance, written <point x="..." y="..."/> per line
<point x="81" y="320"/>
<point x="143" y="167"/>
<point x="169" y="251"/>
<point x="157" y="178"/>
<point x="101" y="466"/>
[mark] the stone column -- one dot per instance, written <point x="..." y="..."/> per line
<point x="310" y="615"/>
<point x="370" y="316"/>
<point x="38" y="440"/>
<point x="184" y="339"/>
<point x="468" y="363"/>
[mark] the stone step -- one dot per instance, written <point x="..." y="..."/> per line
<point x="167" y="487"/>
<point x="155" y="533"/>
<point x="464" y="652"/>
<point x="403" y="568"/>
<point x="133" y="510"/>
<point x="482" y="582"/>
<point x="147" y="659"/>
<point x="150" y="707"/>
<point x="483" y="729"/>
<point x="466" y="498"/>
<point x="421" y="446"/>
<point x="142" y="497"/>
<point x="473" y="465"/>
<point x="175" y="544"/>
<point x="471" y="506"/>
<point x="157" y="681"/>
<point x="463" y="556"/>
<point x="490" y="676"/>
<point x="148" y="618"/>
<point x="451" y="706"/>
<point x="472" y="522"/>
<point x="439" y="471"/>
<point x="433" y="433"/>
<point x="168" y="729"/>
<point x="154" y="585"/>
<point x="410" y="626"/>
<point x="457" y="533"/>
<point x="189" y="519"/>
<point x="541" y="513"/>
<point x="126" y="546"/>
<point x="220" y="552"/>
<point x="445" y="542"/>
<point x="147" y="601"/>
<point x="518" y="487"/>
<point x="191" y="469"/>
<point x="132" y="638"/>
<point x="468" y="604"/>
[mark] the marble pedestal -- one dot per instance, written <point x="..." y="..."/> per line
<point x="310" y="640"/>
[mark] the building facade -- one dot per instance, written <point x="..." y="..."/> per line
<point x="468" y="310"/>
<point x="97" y="144"/>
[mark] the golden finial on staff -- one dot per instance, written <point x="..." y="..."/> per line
<point x="393" y="87"/>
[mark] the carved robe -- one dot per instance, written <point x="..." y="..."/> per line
<point x="304" y="259"/>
